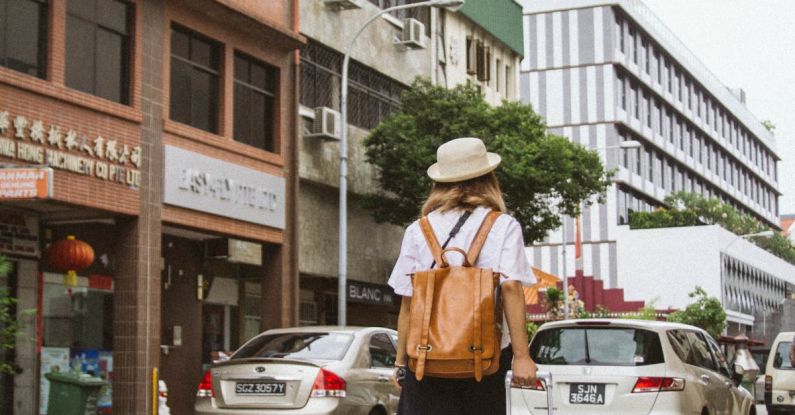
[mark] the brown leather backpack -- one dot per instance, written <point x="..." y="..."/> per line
<point x="453" y="326"/>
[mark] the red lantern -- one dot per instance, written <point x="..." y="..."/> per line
<point x="69" y="256"/>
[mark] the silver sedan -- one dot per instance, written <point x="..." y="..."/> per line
<point x="305" y="370"/>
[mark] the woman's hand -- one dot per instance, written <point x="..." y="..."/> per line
<point x="524" y="372"/>
<point x="399" y="375"/>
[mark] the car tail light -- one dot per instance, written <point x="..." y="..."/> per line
<point x="328" y="384"/>
<point x="768" y="383"/>
<point x="657" y="384"/>
<point x="206" y="386"/>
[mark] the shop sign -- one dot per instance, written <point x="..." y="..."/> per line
<point x="25" y="183"/>
<point x="19" y="234"/>
<point x="245" y="252"/>
<point x="362" y="292"/>
<point x="103" y="158"/>
<point x="206" y="184"/>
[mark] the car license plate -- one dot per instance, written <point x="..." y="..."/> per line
<point x="587" y="393"/>
<point x="260" y="388"/>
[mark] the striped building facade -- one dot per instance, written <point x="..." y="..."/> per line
<point x="602" y="72"/>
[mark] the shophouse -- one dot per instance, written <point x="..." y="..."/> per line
<point x="447" y="47"/>
<point x="162" y="134"/>
<point x="603" y="72"/>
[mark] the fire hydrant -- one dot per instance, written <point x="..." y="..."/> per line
<point x="162" y="398"/>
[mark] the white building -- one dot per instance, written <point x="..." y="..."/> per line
<point x="663" y="265"/>
<point x="391" y="52"/>
<point x="605" y="71"/>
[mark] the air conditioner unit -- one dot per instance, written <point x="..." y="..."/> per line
<point x="413" y="36"/>
<point x="326" y="124"/>
<point x="344" y="4"/>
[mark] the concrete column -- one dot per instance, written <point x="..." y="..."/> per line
<point x="137" y="287"/>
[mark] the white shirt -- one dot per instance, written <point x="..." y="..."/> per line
<point x="503" y="251"/>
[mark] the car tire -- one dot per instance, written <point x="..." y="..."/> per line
<point x="378" y="410"/>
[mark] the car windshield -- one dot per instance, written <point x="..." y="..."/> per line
<point x="307" y="346"/>
<point x="781" y="360"/>
<point x="599" y="346"/>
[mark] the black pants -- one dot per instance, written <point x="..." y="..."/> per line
<point x="438" y="396"/>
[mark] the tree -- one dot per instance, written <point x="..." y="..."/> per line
<point x="541" y="174"/>
<point x="769" y="126"/>
<point x="9" y="324"/>
<point x="706" y="312"/>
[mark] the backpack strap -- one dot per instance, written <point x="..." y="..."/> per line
<point x="480" y="237"/>
<point x="430" y="238"/>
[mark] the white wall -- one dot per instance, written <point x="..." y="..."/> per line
<point x="456" y="29"/>
<point x="667" y="263"/>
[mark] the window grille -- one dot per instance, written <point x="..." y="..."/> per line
<point x="372" y="96"/>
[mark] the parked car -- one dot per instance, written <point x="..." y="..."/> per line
<point x="780" y="377"/>
<point x="632" y="367"/>
<point x="305" y="370"/>
<point x="760" y="355"/>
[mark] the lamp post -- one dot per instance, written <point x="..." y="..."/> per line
<point x="629" y="144"/>
<point x="343" y="219"/>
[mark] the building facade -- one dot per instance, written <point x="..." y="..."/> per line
<point x="163" y="135"/>
<point x="384" y="62"/>
<point x="664" y="265"/>
<point x="604" y="72"/>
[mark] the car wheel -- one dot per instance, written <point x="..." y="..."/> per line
<point x="378" y="410"/>
<point x="704" y="411"/>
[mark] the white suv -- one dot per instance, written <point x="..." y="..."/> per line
<point x="632" y="367"/>
<point x="780" y="377"/>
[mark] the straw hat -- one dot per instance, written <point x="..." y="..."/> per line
<point x="462" y="159"/>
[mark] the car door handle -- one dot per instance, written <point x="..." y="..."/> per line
<point x="705" y="378"/>
<point x="383" y="378"/>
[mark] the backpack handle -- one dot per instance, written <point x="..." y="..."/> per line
<point x="444" y="264"/>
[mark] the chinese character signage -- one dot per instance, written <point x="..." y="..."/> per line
<point x="31" y="141"/>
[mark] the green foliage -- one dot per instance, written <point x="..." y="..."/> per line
<point x="769" y="126"/>
<point x="647" y="312"/>
<point x="9" y="324"/>
<point x="662" y="219"/>
<point x="532" y="328"/>
<point x="706" y="312"/>
<point x="690" y="209"/>
<point x="540" y="175"/>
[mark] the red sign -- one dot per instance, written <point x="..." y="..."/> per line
<point x="26" y="183"/>
<point x="100" y="282"/>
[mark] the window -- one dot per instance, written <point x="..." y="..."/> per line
<point x="659" y="59"/>
<point x="635" y="96"/>
<point x="382" y="351"/>
<point x="647" y="104"/>
<point x="633" y="47"/>
<point x="622" y="92"/>
<point x="646" y="55"/>
<point x="23" y="36"/>
<point x="597" y="346"/>
<point x="304" y="345"/>
<point x="98" y="48"/>
<point x="255" y="91"/>
<point x="620" y="34"/>
<point x="195" y="65"/>
<point x="670" y="75"/>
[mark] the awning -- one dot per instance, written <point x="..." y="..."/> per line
<point x="543" y="280"/>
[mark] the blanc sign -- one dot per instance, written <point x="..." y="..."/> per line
<point x="361" y="292"/>
<point x="206" y="184"/>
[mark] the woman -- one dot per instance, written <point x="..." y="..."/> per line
<point x="464" y="181"/>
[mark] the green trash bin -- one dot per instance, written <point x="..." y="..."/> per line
<point x="73" y="394"/>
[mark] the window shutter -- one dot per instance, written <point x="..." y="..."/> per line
<point x="471" y="55"/>
<point x="481" y="60"/>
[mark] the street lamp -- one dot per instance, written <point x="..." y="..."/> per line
<point x="626" y="145"/>
<point x="451" y="5"/>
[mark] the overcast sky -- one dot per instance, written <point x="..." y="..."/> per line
<point x="748" y="44"/>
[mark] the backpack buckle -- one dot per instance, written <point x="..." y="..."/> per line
<point x="425" y="348"/>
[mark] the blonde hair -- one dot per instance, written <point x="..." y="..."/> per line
<point x="468" y="194"/>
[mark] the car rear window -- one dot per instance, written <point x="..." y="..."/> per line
<point x="309" y="346"/>
<point x="781" y="360"/>
<point x="598" y="346"/>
